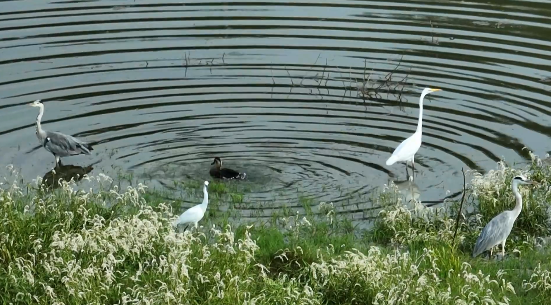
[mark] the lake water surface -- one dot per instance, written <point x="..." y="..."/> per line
<point x="271" y="87"/>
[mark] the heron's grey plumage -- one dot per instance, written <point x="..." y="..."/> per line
<point x="495" y="232"/>
<point x="499" y="228"/>
<point x="63" y="145"/>
<point x="59" y="144"/>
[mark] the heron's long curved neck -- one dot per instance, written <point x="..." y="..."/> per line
<point x="205" y="202"/>
<point x="38" y="120"/>
<point x="420" y="122"/>
<point x="518" y="197"/>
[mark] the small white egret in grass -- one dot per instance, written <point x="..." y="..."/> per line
<point x="499" y="228"/>
<point x="408" y="148"/>
<point x="194" y="214"/>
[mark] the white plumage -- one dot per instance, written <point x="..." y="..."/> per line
<point x="408" y="148"/>
<point x="194" y="214"/>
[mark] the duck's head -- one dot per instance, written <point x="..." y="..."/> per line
<point x="217" y="161"/>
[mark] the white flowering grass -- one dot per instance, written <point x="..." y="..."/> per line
<point x="402" y="278"/>
<point x="110" y="247"/>
<point x="114" y="247"/>
<point x="540" y="281"/>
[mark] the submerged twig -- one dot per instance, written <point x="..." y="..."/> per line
<point x="186" y="63"/>
<point x="291" y="78"/>
<point x="460" y="206"/>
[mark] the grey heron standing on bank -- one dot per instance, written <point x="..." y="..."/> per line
<point x="499" y="228"/>
<point x="60" y="145"/>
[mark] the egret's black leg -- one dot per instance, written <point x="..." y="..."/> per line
<point x="186" y="228"/>
<point x="407" y="173"/>
<point x="413" y="171"/>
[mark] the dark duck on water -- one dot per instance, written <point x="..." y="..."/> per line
<point x="216" y="171"/>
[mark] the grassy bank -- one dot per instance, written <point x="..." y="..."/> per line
<point x="114" y="246"/>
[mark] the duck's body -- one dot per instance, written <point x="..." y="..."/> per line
<point x="224" y="173"/>
<point x="216" y="171"/>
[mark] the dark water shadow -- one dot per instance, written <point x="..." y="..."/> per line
<point x="53" y="178"/>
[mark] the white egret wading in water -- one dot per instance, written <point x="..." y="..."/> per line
<point x="499" y="228"/>
<point x="409" y="147"/>
<point x="60" y="145"/>
<point x="194" y="214"/>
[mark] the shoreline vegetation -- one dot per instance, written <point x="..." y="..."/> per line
<point x="117" y="246"/>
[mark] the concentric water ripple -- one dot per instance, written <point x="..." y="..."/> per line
<point x="271" y="87"/>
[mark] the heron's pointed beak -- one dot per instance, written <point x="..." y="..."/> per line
<point x="532" y="182"/>
<point x="433" y="90"/>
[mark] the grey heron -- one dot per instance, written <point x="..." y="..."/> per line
<point x="499" y="228"/>
<point x="408" y="148"/>
<point x="60" y="145"/>
<point x="194" y="214"/>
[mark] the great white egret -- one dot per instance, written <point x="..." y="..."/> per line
<point x="60" y="145"/>
<point x="499" y="228"/>
<point x="408" y="148"/>
<point x="194" y="214"/>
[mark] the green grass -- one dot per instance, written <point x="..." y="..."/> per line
<point x="113" y="246"/>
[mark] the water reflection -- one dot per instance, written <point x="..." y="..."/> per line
<point x="286" y="94"/>
<point x="411" y="198"/>
<point x="51" y="179"/>
<point x="409" y="189"/>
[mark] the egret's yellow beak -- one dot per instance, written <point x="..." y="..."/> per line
<point x="432" y="90"/>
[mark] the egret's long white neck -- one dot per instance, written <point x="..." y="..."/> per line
<point x="205" y="202"/>
<point x="420" y="122"/>
<point x="39" y="119"/>
<point x="518" y="197"/>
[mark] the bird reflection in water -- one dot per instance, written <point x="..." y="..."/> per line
<point x="65" y="172"/>
<point x="412" y="193"/>
<point x="409" y="188"/>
